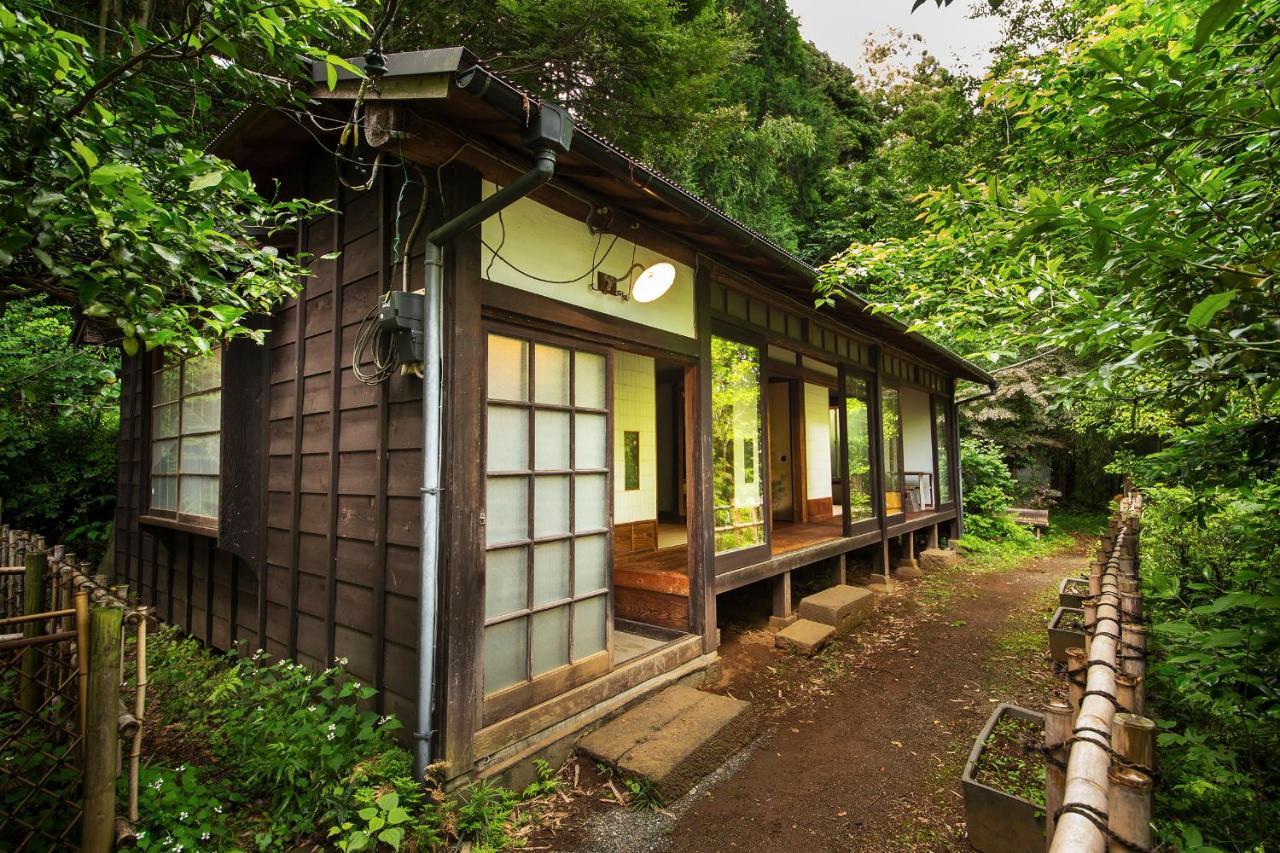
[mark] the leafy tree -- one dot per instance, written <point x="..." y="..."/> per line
<point x="1132" y="228"/>
<point x="58" y="421"/>
<point x="109" y="204"/>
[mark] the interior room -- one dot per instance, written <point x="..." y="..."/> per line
<point x="910" y="480"/>
<point x="804" y="462"/>
<point x="651" y="526"/>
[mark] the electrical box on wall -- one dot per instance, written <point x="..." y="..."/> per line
<point x="400" y="318"/>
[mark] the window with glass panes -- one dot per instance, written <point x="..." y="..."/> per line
<point x="186" y="416"/>
<point x="547" y="510"/>
<point x="943" y="430"/>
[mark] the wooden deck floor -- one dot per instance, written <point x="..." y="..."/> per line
<point x="788" y="537"/>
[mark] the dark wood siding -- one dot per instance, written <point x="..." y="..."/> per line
<point x="323" y="554"/>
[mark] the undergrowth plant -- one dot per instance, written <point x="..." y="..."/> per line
<point x="277" y="757"/>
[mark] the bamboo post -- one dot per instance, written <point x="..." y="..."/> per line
<point x="1075" y="678"/>
<point x="1134" y="640"/>
<point x="1131" y="606"/>
<point x="1133" y="737"/>
<point x="32" y="603"/>
<point x="1129" y="809"/>
<point x="97" y="830"/>
<point x="82" y="660"/>
<point x="139" y="711"/>
<point x="1126" y="687"/>
<point x="1057" y="729"/>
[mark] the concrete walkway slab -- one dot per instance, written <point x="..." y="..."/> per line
<point x="673" y="739"/>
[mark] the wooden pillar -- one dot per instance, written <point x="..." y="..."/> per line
<point x="933" y="537"/>
<point x="840" y="570"/>
<point x="782" y="614"/>
<point x="102" y="736"/>
<point x="880" y="563"/>
<point x="908" y="558"/>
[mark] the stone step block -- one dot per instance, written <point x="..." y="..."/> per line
<point x="673" y="739"/>
<point x="841" y="606"/>
<point x="936" y="559"/>
<point x="804" y="636"/>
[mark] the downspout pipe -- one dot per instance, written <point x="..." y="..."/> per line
<point x="543" y="139"/>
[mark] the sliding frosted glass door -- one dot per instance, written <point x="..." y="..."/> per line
<point x="547" y="517"/>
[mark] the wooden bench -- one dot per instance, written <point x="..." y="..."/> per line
<point x="1036" y="519"/>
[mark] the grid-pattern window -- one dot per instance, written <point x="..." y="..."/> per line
<point x="547" y="510"/>
<point x="186" y="416"/>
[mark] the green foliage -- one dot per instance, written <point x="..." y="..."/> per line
<point x="109" y="202"/>
<point x="988" y="489"/>
<point x="644" y="797"/>
<point x="1010" y="762"/>
<point x="1130" y="229"/>
<point x="1211" y="576"/>
<point x="194" y="810"/>
<point x="58" y="421"/>
<point x="283" y="756"/>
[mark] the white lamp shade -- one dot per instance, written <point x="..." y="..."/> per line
<point x="653" y="282"/>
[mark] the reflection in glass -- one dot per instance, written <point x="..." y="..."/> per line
<point x="735" y="445"/>
<point x="944" y="450"/>
<point x="891" y="417"/>
<point x="858" y="418"/>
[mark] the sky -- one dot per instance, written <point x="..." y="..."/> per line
<point x="839" y="27"/>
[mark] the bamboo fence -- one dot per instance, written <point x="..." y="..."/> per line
<point x="1099" y="749"/>
<point x="69" y="643"/>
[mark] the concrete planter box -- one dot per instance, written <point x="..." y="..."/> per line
<point x="1000" y="822"/>
<point x="1061" y="639"/>
<point x="1072" y="592"/>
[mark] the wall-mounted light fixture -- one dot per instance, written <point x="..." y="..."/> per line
<point x="652" y="282"/>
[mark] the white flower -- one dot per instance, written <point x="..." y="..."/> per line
<point x="157" y="785"/>
<point x="142" y="833"/>
<point x="217" y="809"/>
<point x="204" y="836"/>
<point x="183" y="815"/>
<point x="330" y="736"/>
<point x="181" y="767"/>
<point x="311" y="708"/>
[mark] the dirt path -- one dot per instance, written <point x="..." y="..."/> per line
<point x="863" y="746"/>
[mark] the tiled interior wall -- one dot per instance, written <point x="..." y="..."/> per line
<point x="817" y="441"/>
<point x="634" y="409"/>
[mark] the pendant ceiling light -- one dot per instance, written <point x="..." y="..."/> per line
<point x="653" y="282"/>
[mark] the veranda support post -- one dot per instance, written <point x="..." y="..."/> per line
<point x="102" y="736"/>
<point x="32" y="603"/>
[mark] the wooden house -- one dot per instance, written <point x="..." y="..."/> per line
<point x="636" y="409"/>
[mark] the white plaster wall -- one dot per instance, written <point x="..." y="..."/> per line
<point x="917" y="437"/>
<point x="817" y="441"/>
<point x="634" y="410"/>
<point x="550" y="245"/>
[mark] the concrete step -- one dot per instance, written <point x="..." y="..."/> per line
<point x="673" y="739"/>
<point x="841" y="606"/>
<point x="804" y="636"/>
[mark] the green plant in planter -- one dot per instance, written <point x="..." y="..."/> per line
<point x="1008" y="765"/>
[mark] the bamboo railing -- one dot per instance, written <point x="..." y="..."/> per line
<point x="68" y="642"/>
<point x="1099" y="749"/>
